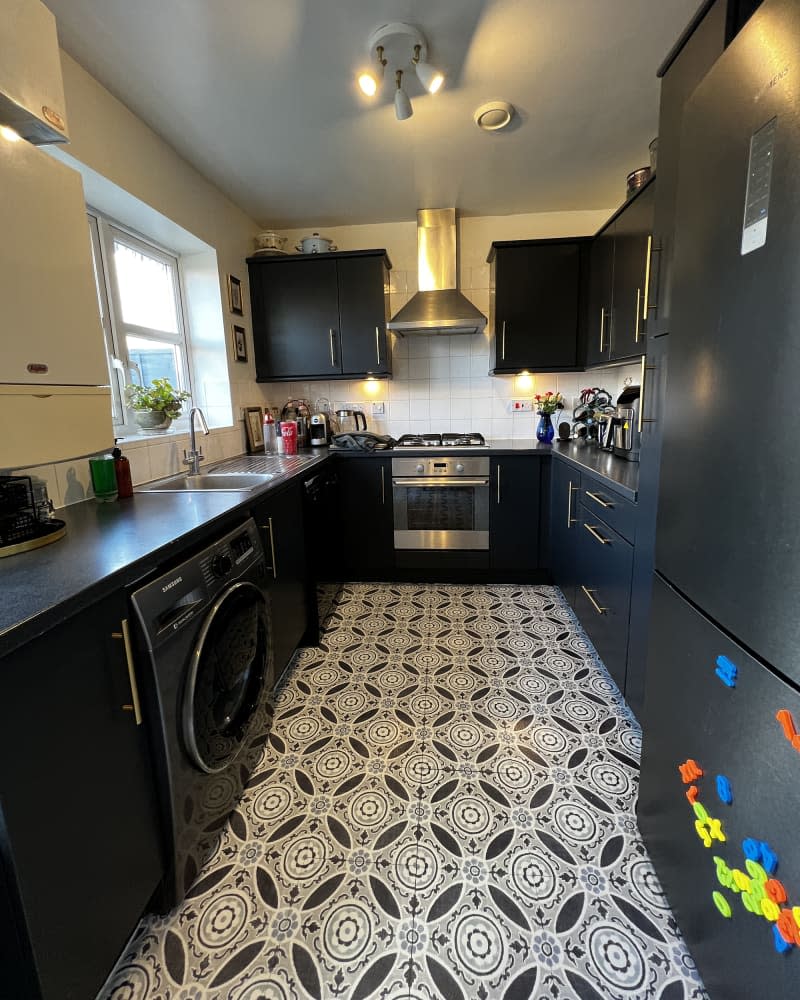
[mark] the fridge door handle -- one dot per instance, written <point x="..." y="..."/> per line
<point x="642" y="418"/>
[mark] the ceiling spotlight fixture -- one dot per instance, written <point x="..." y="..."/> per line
<point x="430" y="77"/>
<point x="493" y="116"/>
<point x="399" y="46"/>
<point x="402" y="105"/>
<point x="370" y="79"/>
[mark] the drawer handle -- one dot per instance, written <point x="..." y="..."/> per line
<point x="136" y="707"/>
<point x="570" y="519"/>
<point x="595" y="605"/>
<point x="272" y="548"/>
<point x="597" y="499"/>
<point x="597" y="535"/>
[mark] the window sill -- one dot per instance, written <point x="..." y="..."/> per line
<point x="177" y="430"/>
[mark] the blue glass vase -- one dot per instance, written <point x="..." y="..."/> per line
<point x="545" y="431"/>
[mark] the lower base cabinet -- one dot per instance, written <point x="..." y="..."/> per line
<point x="514" y="510"/>
<point x="603" y="592"/>
<point x="565" y="488"/>
<point x="366" y="518"/>
<point x="80" y="848"/>
<point x="281" y="525"/>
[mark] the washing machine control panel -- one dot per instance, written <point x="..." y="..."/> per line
<point x="221" y="565"/>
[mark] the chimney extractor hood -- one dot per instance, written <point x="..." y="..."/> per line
<point x="438" y="307"/>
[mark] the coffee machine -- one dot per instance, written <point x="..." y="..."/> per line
<point x="626" y="424"/>
<point x="320" y="430"/>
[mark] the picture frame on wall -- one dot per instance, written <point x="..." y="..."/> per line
<point x="254" y="428"/>
<point x="239" y="344"/>
<point x="235" y="295"/>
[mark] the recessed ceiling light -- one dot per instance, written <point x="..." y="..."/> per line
<point x="493" y="116"/>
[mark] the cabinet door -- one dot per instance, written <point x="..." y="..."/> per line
<point x="602" y="597"/>
<point x="280" y="521"/>
<point x="655" y="388"/>
<point x="537" y="293"/>
<point x="514" y="513"/>
<point x="601" y="281"/>
<point x="295" y="308"/>
<point x="365" y="514"/>
<point x="78" y="799"/>
<point x="363" y="315"/>
<point x="701" y="51"/>
<point x="632" y="258"/>
<point x="565" y="484"/>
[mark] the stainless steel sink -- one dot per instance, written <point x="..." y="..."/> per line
<point x="209" y="482"/>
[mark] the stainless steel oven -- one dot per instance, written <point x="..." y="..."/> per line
<point x="441" y="502"/>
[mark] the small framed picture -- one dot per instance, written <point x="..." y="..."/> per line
<point x="239" y="344"/>
<point x="254" y="426"/>
<point x="235" y="295"/>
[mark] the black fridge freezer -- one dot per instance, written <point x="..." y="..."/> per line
<point x="719" y="803"/>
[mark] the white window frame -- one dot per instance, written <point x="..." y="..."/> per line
<point x="105" y="232"/>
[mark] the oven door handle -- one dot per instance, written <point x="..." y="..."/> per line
<point x="432" y="482"/>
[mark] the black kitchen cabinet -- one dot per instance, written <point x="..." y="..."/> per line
<point x="600" y="297"/>
<point x="80" y="847"/>
<point x="515" y="483"/>
<point x="681" y="73"/>
<point x="320" y="315"/>
<point x="366" y="517"/>
<point x="633" y="229"/>
<point x="602" y="596"/>
<point x="280" y="521"/>
<point x="536" y="305"/>
<point x="565" y="486"/>
<point x="653" y="401"/>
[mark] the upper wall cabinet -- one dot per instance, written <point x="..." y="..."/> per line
<point x="536" y="305"/>
<point x="320" y="315"/>
<point x="621" y="284"/>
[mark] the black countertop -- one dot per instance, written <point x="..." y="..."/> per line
<point x="110" y="545"/>
<point x="622" y="475"/>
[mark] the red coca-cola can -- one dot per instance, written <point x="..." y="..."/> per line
<point x="289" y="435"/>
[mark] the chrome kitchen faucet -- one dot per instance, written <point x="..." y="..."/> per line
<point x="193" y="457"/>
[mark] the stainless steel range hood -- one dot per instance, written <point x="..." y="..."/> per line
<point x="438" y="307"/>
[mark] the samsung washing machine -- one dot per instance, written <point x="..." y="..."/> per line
<point x="205" y="630"/>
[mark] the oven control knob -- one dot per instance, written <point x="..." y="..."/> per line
<point x="420" y="468"/>
<point x="221" y="565"/>
<point x="459" y="467"/>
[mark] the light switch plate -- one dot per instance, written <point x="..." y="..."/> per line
<point x="378" y="409"/>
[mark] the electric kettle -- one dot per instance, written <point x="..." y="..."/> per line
<point x="349" y="421"/>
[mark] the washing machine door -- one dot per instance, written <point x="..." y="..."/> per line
<point x="227" y="677"/>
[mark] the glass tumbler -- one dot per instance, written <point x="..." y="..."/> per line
<point x="104" y="478"/>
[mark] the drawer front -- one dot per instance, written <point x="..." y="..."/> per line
<point x="603" y="592"/>
<point x="614" y="509"/>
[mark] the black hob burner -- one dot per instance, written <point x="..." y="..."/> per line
<point x="446" y="440"/>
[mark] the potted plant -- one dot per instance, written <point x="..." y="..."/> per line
<point x="155" y="406"/>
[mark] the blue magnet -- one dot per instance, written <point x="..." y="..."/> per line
<point x="781" y="944"/>
<point x="724" y="789"/>
<point x="752" y="849"/>
<point x="726" y="671"/>
<point x="769" y="859"/>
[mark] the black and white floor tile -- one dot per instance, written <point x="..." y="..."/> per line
<point x="444" y="810"/>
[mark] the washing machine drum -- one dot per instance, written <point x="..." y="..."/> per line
<point x="228" y="672"/>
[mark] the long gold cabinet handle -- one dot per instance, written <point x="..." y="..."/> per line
<point x="600" y="500"/>
<point x="570" y="519"/>
<point x="642" y="418"/>
<point x="378" y="344"/>
<point x="136" y="705"/>
<point x="595" y="605"/>
<point x="596" y="534"/>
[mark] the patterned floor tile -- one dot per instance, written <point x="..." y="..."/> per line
<point x="443" y="810"/>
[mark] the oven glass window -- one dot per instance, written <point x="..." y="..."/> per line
<point x="435" y="508"/>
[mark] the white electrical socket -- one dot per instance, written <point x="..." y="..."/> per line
<point x="520" y="406"/>
<point x="378" y="409"/>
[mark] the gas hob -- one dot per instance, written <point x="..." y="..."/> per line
<point x="446" y="440"/>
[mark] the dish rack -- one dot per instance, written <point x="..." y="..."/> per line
<point x="25" y="521"/>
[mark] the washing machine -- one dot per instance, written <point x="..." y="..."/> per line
<point x="204" y="631"/>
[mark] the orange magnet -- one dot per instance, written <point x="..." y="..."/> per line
<point x="692" y="793"/>
<point x="784" y="717"/>
<point x="690" y="770"/>
<point x="788" y="928"/>
<point x="775" y="891"/>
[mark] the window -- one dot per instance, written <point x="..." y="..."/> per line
<point x="138" y="290"/>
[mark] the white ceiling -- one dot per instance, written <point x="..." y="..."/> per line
<point x="260" y="96"/>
